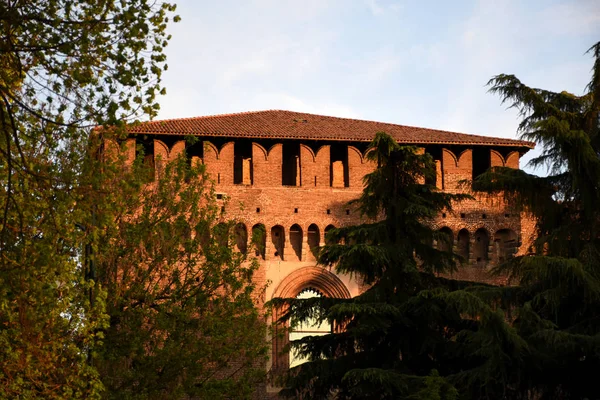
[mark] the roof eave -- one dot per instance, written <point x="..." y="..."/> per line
<point x="516" y="143"/>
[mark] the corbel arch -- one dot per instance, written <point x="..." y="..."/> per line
<point x="225" y="147"/>
<point x="512" y="159"/>
<point x="499" y="157"/>
<point x="112" y="149"/>
<point x="262" y="150"/>
<point x="163" y="149"/>
<point x="358" y="153"/>
<point x="452" y="156"/>
<point x="460" y="161"/>
<point x="309" y="150"/>
<point x="273" y="148"/>
<point x="211" y="148"/>
<point x="321" y="150"/>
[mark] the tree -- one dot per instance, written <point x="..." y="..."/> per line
<point x="557" y="288"/>
<point x="182" y="304"/>
<point x="412" y="334"/>
<point x="106" y="282"/>
<point x="65" y="67"/>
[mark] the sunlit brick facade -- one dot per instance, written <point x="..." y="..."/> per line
<point x="294" y="174"/>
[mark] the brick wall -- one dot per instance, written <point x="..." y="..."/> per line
<point x="485" y="222"/>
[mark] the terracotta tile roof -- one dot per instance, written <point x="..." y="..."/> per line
<point x="278" y="124"/>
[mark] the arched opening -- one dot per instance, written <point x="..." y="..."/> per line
<point x="338" y="166"/>
<point x="290" y="169"/>
<point x="194" y="152"/>
<point x="302" y="282"/>
<point x="446" y="240"/>
<point x="482" y="242"/>
<point x="278" y="240"/>
<point x="203" y="232"/>
<point x="435" y="151"/>
<point x="221" y="234"/>
<point x="259" y="240"/>
<point x="314" y="240"/>
<point x="506" y="244"/>
<point x="463" y="243"/>
<point x="482" y="161"/>
<point x="328" y="229"/>
<point x="309" y="327"/>
<point x="241" y="238"/>
<point x="242" y="162"/>
<point x="296" y="240"/>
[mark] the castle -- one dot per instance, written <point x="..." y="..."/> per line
<point x="292" y="174"/>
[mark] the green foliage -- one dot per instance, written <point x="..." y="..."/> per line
<point x="556" y="295"/>
<point x="47" y="322"/>
<point x="64" y="67"/>
<point x="415" y="335"/>
<point x="258" y="240"/>
<point x="98" y="268"/>
<point x="181" y="302"/>
<point x="412" y="334"/>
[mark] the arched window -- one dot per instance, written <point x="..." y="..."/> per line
<point x="309" y="328"/>
<point x="314" y="240"/>
<point x="259" y="240"/>
<point x="296" y="240"/>
<point x="278" y="240"/>
<point x="506" y="243"/>
<point x="482" y="242"/>
<point x="302" y="282"/>
<point x="446" y="242"/>
<point x="328" y="228"/>
<point x="241" y="238"/>
<point x="221" y="234"/>
<point x="463" y="243"/>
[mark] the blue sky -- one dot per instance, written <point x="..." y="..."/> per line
<point x="421" y="63"/>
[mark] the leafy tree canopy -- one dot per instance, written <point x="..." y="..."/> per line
<point x="182" y="302"/>
<point x="65" y="66"/>
<point x="77" y="231"/>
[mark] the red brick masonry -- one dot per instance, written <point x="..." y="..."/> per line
<point x="294" y="173"/>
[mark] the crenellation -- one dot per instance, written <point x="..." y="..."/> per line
<point x="295" y="190"/>
<point x="321" y="170"/>
<point x="512" y="160"/>
<point x="177" y="149"/>
<point x="260" y="165"/>
<point x="496" y="159"/>
<point x="225" y="164"/>
<point x="309" y="166"/>
<point x="273" y="174"/>
<point x="356" y="169"/>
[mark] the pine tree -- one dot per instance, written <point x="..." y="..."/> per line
<point x="412" y="334"/>
<point x="557" y="287"/>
